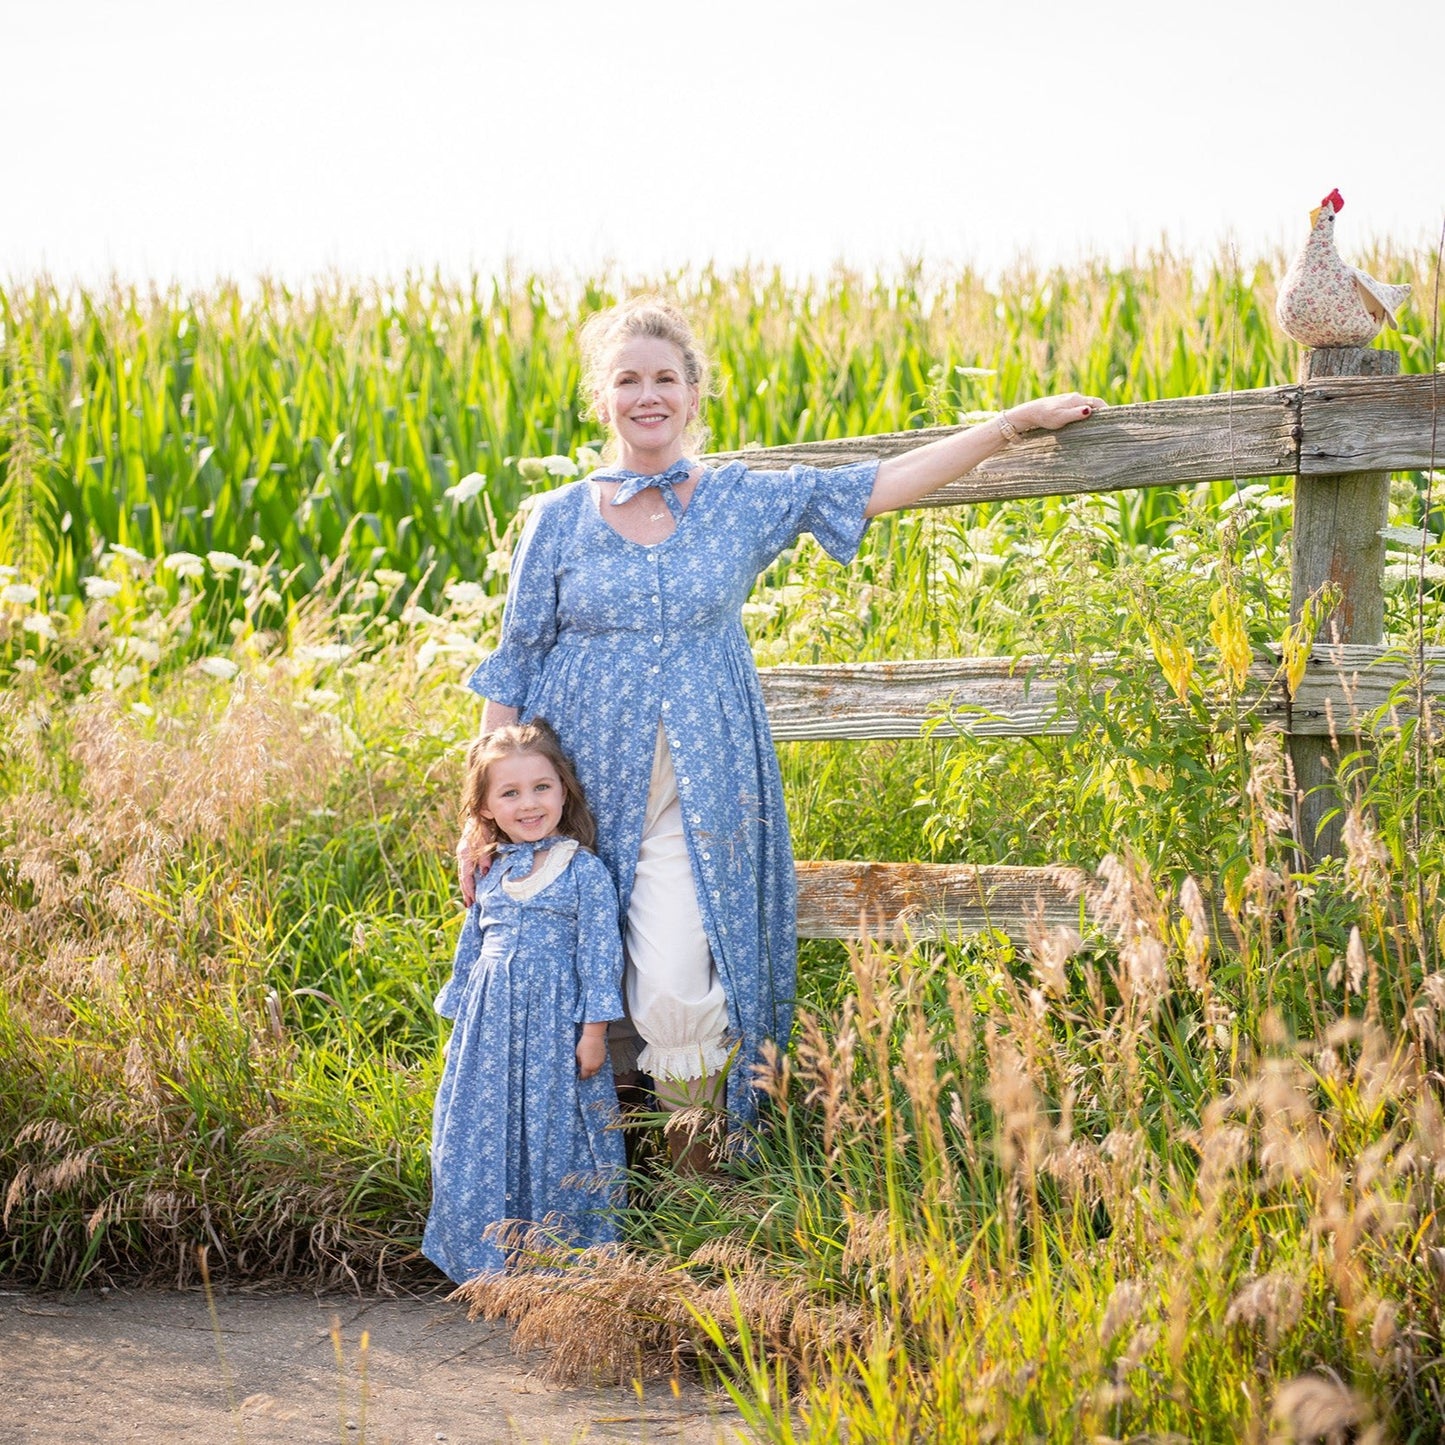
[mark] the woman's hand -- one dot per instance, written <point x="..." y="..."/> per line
<point x="1052" y="413"/>
<point x="591" y="1050"/>
<point x="472" y="859"/>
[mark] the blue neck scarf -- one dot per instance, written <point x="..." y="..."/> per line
<point x="631" y="483"/>
<point x="515" y="860"/>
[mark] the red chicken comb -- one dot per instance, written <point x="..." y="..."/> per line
<point x="1334" y="200"/>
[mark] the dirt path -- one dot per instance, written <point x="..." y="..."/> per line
<point x="151" y="1366"/>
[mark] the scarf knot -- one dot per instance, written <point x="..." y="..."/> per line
<point x="630" y="483"/>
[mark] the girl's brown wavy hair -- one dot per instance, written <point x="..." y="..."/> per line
<point x="531" y="737"/>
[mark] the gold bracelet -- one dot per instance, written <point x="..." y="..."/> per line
<point x="1007" y="429"/>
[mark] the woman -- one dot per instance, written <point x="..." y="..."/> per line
<point x="623" y="629"/>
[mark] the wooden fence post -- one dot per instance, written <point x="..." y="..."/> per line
<point x="1337" y="523"/>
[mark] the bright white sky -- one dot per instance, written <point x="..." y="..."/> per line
<point x="189" y="138"/>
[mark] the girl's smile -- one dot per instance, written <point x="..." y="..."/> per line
<point x="524" y="797"/>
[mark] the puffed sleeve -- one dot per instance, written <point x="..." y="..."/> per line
<point x="529" y="620"/>
<point x="829" y="502"/>
<point x="599" y="942"/>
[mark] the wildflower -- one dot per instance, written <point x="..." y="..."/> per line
<point x="464" y="594"/>
<point x="389" y="578"/>
<point x="531" y="469"/>
<point x="256" y="544"/>
<point x="19" y="592"/>
<point x="186" y="564"/>
<point x="418" y="615"/>
<point x="219" y="667"/>
<point x="224" y="562"/>
<point x="271" y="597"/>
<point x="26" y="664"/>
<point x="9" y="574"/>
<point x="40" y="624"/>
<point x="125" y="554"/>
<point x="588" y="459"/>
<point x="324" y="652"/>
<point x="128" y="676"/>
<point x="1403" y="574"/>
<point x="102" y="678"/>
<point x="322" y="697"/>
<point x="469" y="486"/>
<point x="99" y="588"/>
<point x="367" y="591"/>
<point x="560" y="466"/>
<point x="142" y="709"/>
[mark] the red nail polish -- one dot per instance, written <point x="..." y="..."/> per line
<point x="1088" y="410"/>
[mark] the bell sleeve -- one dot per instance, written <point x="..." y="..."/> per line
<point x="529" y="619"/>
<point x="469" y="948"/>
<point x="599" y="942"/>
<point x="829" y="502"/>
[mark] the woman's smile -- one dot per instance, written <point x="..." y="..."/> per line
<point x="648" y="403"/>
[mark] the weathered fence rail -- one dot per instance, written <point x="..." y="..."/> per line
<point x="1328" y="426"/>
<point x="1345" y="690"/>
<point x="1323" y="427"/>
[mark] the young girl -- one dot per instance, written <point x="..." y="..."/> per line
<point x="521" y="1129"/>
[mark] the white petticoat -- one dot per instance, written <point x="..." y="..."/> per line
<point x="674" y="997"/>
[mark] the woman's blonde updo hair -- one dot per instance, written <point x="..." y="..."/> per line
<point x="650" y="316"/>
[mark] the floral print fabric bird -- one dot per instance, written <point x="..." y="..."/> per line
<point x="1325" y="302"/>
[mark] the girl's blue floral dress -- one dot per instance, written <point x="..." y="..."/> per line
<point x="606" y="638"/>
<point x="516" y="1134"/>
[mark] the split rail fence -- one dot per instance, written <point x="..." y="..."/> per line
<point x="1338" y="433"/>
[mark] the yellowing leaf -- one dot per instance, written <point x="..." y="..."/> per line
<point x="1227" y="632"/>
<point x="1171" y="652"/>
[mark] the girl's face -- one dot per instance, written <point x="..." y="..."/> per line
<point x="524" y="797"/>
<point x="647" y="401"/>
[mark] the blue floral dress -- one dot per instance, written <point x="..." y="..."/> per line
<point x="606" y="638"/>
<point x="516" y="1134"/>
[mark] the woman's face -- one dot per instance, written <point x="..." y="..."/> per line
<point x="646" y="400"/>
<point x="524" y="797"/>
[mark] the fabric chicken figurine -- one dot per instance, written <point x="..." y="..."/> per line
<point x="1324" y="302"/>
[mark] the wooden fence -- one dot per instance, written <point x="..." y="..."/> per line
<point x="1324" y="430"/>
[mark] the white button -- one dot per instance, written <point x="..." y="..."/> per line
<point x="657" y="669"/>
<point x="686" y="781"/>
<point x="656" y="598"/>
<point x="657" y="637"/>
<point x="665" y="706"/>
<point x="707" y="857"/>
<point x="696" y="819"/>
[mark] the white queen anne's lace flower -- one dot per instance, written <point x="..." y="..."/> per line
<point x="324" y="652"/>
<point x="223" y="562"/>
<point x="469" y="486"/>
<point x="19" y="592"/>
<point x="99" y="588"/>
<point x="186" y="564"/>
<point x="218" y="667"/>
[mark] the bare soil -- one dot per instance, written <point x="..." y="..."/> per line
<point x="121" y="1365"/>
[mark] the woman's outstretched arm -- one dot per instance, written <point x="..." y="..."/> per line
<point x="902" y="480"/>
